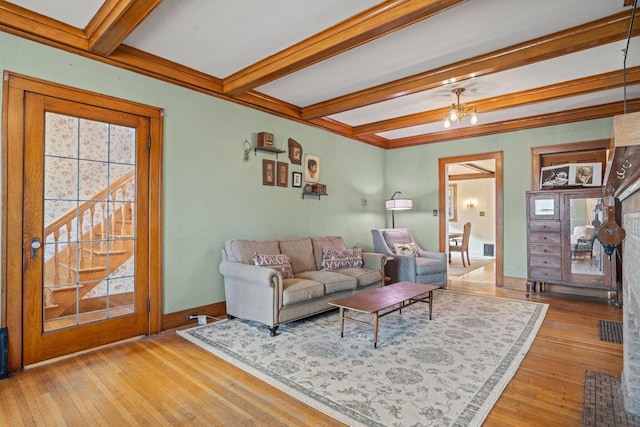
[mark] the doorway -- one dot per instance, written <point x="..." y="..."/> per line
<point x="453" y="207"/>
<point x="81" y="185"/>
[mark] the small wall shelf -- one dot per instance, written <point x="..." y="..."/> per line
<point x="304" y="195"/>
<point x="275" y="151"/>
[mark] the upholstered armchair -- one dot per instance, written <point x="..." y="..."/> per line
<point x="410" y="263"/>
<point x="582" y="240"/>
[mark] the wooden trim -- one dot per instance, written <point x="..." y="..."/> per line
<point x="466" y="176"/>
<point x="582" y="86"/>
<point x="362" y="28"/>
<point x="179" y="318"/>
<point x="115" y="20"/>
<point x="542" y="120"/>
<point x="590" y="35"/>
<point x="499" y="201"/>
<point x="537" y="152"/>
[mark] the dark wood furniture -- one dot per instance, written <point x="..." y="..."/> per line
<point x="374" y="301"/>
<point x="552" y="216"/>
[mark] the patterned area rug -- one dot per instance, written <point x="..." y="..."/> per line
<point x="456" y="268"/>
<point x="448" y="371"/>
<point x="610" y="331"/>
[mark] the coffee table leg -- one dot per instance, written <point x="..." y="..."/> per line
<point x="375" y="330"/>
<point x="341" y="322"/>
<point x="430" y="303"/>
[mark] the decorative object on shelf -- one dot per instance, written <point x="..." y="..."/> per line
<point x="296" y="179"/>
<point x="265" y="140"/>
<point x="571" y="175"/>
<point x="394" y="204"/>
<point x="314" y="189"/>
<point x="312" y="168"/>
<point x="458" y="111"/>
<point x="295" y="152"/>
<point x="452" y="202"/>
<point x="268" y="172"/>
<point x="283" y="174"/>
<point x="246" y="147"/>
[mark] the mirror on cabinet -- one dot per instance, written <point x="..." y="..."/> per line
<point x="587" y="253"/>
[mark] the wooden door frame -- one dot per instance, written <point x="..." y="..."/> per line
<point x="13" y="240"/>
<point x="499" y="203"/>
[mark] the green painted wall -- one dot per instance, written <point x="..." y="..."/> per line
<point x="212" y="195"/>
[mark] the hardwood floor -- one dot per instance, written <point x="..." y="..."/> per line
<point x="165" y="380"/>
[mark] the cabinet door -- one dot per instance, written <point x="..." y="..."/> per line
<point x="544" y="206"/>
<point x="587" y="265"/>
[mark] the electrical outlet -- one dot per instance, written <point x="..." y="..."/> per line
<point x="202" y="320"/>
<point x="192" y="316"/>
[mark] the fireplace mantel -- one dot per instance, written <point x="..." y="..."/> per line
<point x="622" y="176"/>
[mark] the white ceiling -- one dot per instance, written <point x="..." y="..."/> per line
<point x="220" y="38"/>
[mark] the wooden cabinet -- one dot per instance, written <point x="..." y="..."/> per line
<point x="562" y="247"/>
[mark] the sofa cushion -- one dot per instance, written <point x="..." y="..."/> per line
<point x="299" y="290"/>
<point x="335" y="242"/>
<point x="333" y="259"/>
<point x="333" y="281"/>
<point x="429" y="266"/>
<point x="300" y="251"/>
<point x="399" y="236"/>
<point x="278" y="262"/>
<point x="239" y="250"/>
<point x="405" y="249"/>
<point x="364" y="276"/>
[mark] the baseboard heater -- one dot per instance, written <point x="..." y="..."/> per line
<point x="4" y="354"/>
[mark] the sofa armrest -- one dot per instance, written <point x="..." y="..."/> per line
<point x="374" y="261"/>
<point x="261" y="276"/>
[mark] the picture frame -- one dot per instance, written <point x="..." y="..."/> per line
<point x="295" y="151"/>
<point x="283" y="174"/>
<point x="571" y="175"/>
<point x="268" y="172"/>
<point x="452" y="202"/>
<point x="296" y="179"/>
<point x="311" y="168"/>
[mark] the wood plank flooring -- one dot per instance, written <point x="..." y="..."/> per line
<point x="164" y="380"/>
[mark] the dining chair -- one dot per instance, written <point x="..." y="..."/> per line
<point x="463" y="247"/>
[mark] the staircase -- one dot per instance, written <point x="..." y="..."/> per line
<point x="74" y="269"/>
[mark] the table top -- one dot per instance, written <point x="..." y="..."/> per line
<point x="378" y="299"/>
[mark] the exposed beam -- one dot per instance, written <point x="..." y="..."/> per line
<point x="605" y="81"/>
<point x="17" y="20"/>
<point x="596" y="33"/>
<point x="476" y="168"/>
<point x="569" y="116"/>
<point x="376" y="22"/>
<point x="467" y="176"/>
<point x="115" y="20"/>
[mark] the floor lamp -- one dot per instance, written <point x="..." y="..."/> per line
<point x="394" y="204"/>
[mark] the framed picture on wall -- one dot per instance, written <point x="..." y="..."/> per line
<point x="283" y="174"/>
<point x="452" y="202"/>
<point x="296" y="179"/>
<point x="311" y="168"/>
<point x="268" y="172"/>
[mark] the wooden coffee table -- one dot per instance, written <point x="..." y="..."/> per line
<point x="374" y="301"/>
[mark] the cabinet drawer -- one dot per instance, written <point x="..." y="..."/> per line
<point x="545" y="261"/>
<point x="541" y="249"/>
<point x="544" y="238"/>
<point x="545" y="273"/>
<point x="548" y="226"/>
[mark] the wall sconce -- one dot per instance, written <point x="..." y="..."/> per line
<point x="470" y="203"/>
<point x="397" y="205"/>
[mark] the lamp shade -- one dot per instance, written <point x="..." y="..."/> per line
<point x="398" y="204"/>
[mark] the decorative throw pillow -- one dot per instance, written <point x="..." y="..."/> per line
<point x="333" y="259"/>
<point x="406" y="249"/>
<point x="279" y="262"/>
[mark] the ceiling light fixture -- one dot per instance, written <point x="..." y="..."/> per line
<point x="457" y="111"/>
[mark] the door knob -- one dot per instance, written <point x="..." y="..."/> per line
<point x="35" y="245"/>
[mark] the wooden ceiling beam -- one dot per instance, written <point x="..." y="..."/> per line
<point x="605" y="81"/>
<point x="115" y="20"/>
<point x="596" y="33"/>
<point x="369" y="25"/>
<point x="569" y="116"/>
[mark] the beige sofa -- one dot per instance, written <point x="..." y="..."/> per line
<point x="261" y="294"/>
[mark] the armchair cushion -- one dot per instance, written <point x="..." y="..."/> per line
<point x="428" y="266"/>
<point x="405" y="249"/>
<point x="279" y="262"/>
<point x="399" y="236"/>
